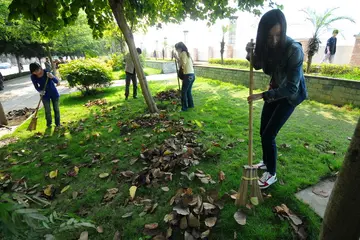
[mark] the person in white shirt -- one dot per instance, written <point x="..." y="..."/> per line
<point x="186" y="74"/>
<point x="130" y="75"/>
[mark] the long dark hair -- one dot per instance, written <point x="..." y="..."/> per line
<point x="182" y="46"/>
<point x="269" y="20"/>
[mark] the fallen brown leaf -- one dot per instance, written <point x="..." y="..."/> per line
<point x="221" y="176"/>
<point x="210" y="222"/>
<point x="208" y="206"/>
<point x="84" y="236"/>
<point x="110" y="194"/>
<point x="320" y="192"/>
<point x="205" y="234"/>
<point x="182" y="211"/>
<point x="100" y="229"/>
<point x="240" y="217"/>
<point x="117" y="236"/>
<point x="193" y="221"/>
<point x="183" y="223"/>
<point x="151" y="226"/>
<point x="126" y="215"/>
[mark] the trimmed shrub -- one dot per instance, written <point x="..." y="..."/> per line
<point x="116" y="62"/>
<point x="330" y="70"/>
<point x="86" y="75"/>
<point x="231" y="61"/>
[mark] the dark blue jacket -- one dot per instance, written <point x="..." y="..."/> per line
<point x="287" y="76"/>
<point x="331" y="43"/>
<point x="39" y="84"/>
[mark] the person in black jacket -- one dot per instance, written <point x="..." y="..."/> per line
<point x="330" y="49"/>
<point x="1" y="82"/>
<point x="281" y="58"/>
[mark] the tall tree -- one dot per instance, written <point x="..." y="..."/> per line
<point x="342" y="215"/>
<point x="222" y="43"/>
<point x="128" y="13"/>
<point x="115" y="40"/>
<point x="76" y="39"/>
<point x="320" y="22"/>
<point x="15" y="37"/>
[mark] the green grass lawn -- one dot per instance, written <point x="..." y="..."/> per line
<point x="116" y="75"/>
<point x="221" y="113"/>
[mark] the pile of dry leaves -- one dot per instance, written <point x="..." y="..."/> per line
<point x="180" y="151"/>
<point x="193" y="215"/>
<point x="25" y="112"/>
<point x="21" y="192"/>
<point x="98" y="102"/>
<point x="171" y="94"/>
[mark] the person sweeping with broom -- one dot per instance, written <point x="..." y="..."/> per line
<point x="281" y="58"/>
<point x="44" y="82"/>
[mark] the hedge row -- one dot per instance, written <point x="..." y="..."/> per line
<point x="323" y="69"/>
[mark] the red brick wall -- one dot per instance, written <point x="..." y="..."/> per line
<point x="355" y="57"/>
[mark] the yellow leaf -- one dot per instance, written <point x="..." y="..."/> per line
<point x="167" y="152"/>
<point x="103" y="175"/>
<point x="53" y="174"/>
<point x="76" y="169"/>
<point x="132" y="191"/>
<point x="254" y="201"/>
<point x="65" y="189"/>
<point x="47" y="190"/>
<point x="110" y="130"/>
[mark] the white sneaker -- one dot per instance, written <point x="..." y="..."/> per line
<point x="266" y="180"/>
<point x="261" y="165"/>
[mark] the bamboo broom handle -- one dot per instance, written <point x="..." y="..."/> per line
<point x="251" y="119"/>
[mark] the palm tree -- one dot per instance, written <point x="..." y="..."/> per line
<point x="321" y="22"/>
<point x="222" y="43"/>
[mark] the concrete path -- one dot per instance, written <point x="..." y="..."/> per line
<point x="317" y="196"/>
<point x="19" y="93"/>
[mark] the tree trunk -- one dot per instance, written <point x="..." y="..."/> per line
<point x="342" y="215"/>
<point x="118" y="11"/>
<point x="3" y="120"/>
<point x="309" y="63"/>
<point x="222" y="50"/>
<point x="53" y="66"/>
<point x="18" y="62"/>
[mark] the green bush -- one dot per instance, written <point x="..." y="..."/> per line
<point x="117" y="61"/>
<point x="86" y="75"/>
<point x="230" y="61"/>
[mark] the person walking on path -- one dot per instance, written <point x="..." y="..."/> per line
<point x="330" y="49"/>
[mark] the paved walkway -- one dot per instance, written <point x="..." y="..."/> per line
<point x="317" y="196"/>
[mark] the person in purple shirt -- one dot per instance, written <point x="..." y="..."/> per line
<point x="48" y="93"/>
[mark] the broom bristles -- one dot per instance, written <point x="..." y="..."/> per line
<point x="32" y="125"/>
<point x="249" y="177"/>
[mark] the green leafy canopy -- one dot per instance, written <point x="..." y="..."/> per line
<point x="55" y="14"/>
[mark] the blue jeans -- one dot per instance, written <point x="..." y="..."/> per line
<point x="55" y="103"/>
<point x="186" y="96"/>
<point x="273" y="117"/>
